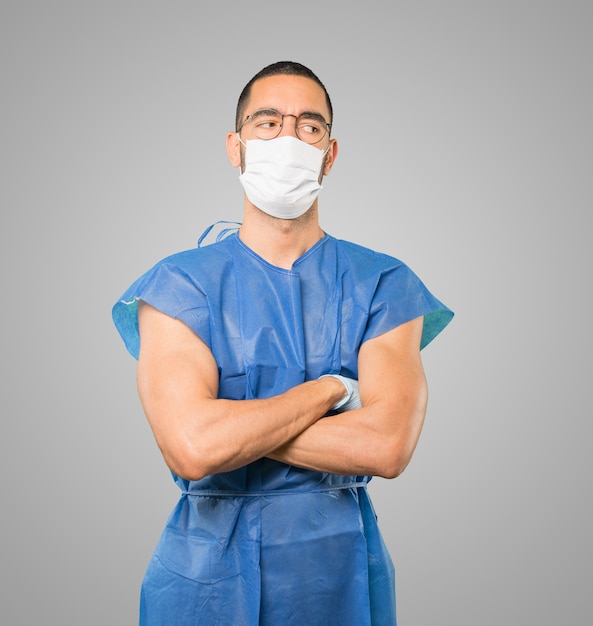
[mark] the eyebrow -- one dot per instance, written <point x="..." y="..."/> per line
<point x="310" y="114"/>
<point x="314" y="115"/>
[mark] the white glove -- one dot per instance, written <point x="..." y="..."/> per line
<point x="352" y="399"/>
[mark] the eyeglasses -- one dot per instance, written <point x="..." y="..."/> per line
<point x="267" y="124"/>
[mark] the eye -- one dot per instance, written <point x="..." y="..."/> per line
<point x="266" y="119"/>
<point x="266" y="123"/>
<point x="310" y="128"/>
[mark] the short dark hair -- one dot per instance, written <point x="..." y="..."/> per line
<point x="280" y="67"/>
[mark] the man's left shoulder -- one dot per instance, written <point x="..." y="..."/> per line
<point x="365" y="258"/>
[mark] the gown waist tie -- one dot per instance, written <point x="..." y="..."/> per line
<point x="232" y="493"/>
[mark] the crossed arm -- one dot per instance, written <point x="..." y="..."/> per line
<point x="199" y="434"/>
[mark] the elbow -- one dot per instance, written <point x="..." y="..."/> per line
<point x="188" y="463"/>
<point x="391" y="470"/>
<point x="391" y="461"/>
<point x="396" y="447"/>
<point x="192" y="458"/>
<point x="185" y="468"/>
<point x="188" y="472"/>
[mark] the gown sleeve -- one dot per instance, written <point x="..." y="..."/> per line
<point x="168" y="288"/>
<point x="399" y="297"/>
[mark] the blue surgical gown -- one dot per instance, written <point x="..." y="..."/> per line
<point x="271" y="544"/>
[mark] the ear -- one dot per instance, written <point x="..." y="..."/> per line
<point x="233" y="149"/>
<point x="330" y="157"/>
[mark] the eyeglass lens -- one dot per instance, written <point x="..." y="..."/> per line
<point x="267" y="124"/>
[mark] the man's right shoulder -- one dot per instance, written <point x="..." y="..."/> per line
<point x="211" y="257"/>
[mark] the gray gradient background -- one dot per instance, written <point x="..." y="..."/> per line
<point x="466" y="150"/>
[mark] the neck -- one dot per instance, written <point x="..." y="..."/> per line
<point x="278" y="241"/>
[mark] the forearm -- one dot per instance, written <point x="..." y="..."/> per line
<point x="335" y="444"/>
<point x="210" y="435"/>
<point x="360" y="442"/>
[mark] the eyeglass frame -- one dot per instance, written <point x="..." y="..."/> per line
<point x="328" y="125"/>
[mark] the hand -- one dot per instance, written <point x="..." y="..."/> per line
<point x="352" y="398"/>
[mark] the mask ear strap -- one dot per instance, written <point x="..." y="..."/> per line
<point x="240" y="140"/>
<point x="222" y="234"/>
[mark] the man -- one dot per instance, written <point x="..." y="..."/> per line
<point x="279" y="369"/>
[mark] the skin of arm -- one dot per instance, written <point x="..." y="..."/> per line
<point x="378" y="439"/>
<point x="199" y="434"/>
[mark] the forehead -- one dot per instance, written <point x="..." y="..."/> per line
<point x="287" y="94"/>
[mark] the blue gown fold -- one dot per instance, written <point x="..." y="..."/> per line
<point x="269" y="543"/>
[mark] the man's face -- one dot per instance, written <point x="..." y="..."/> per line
<point x="289" y="95"/>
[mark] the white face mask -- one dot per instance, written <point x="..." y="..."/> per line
<point x="281" y="175"/>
